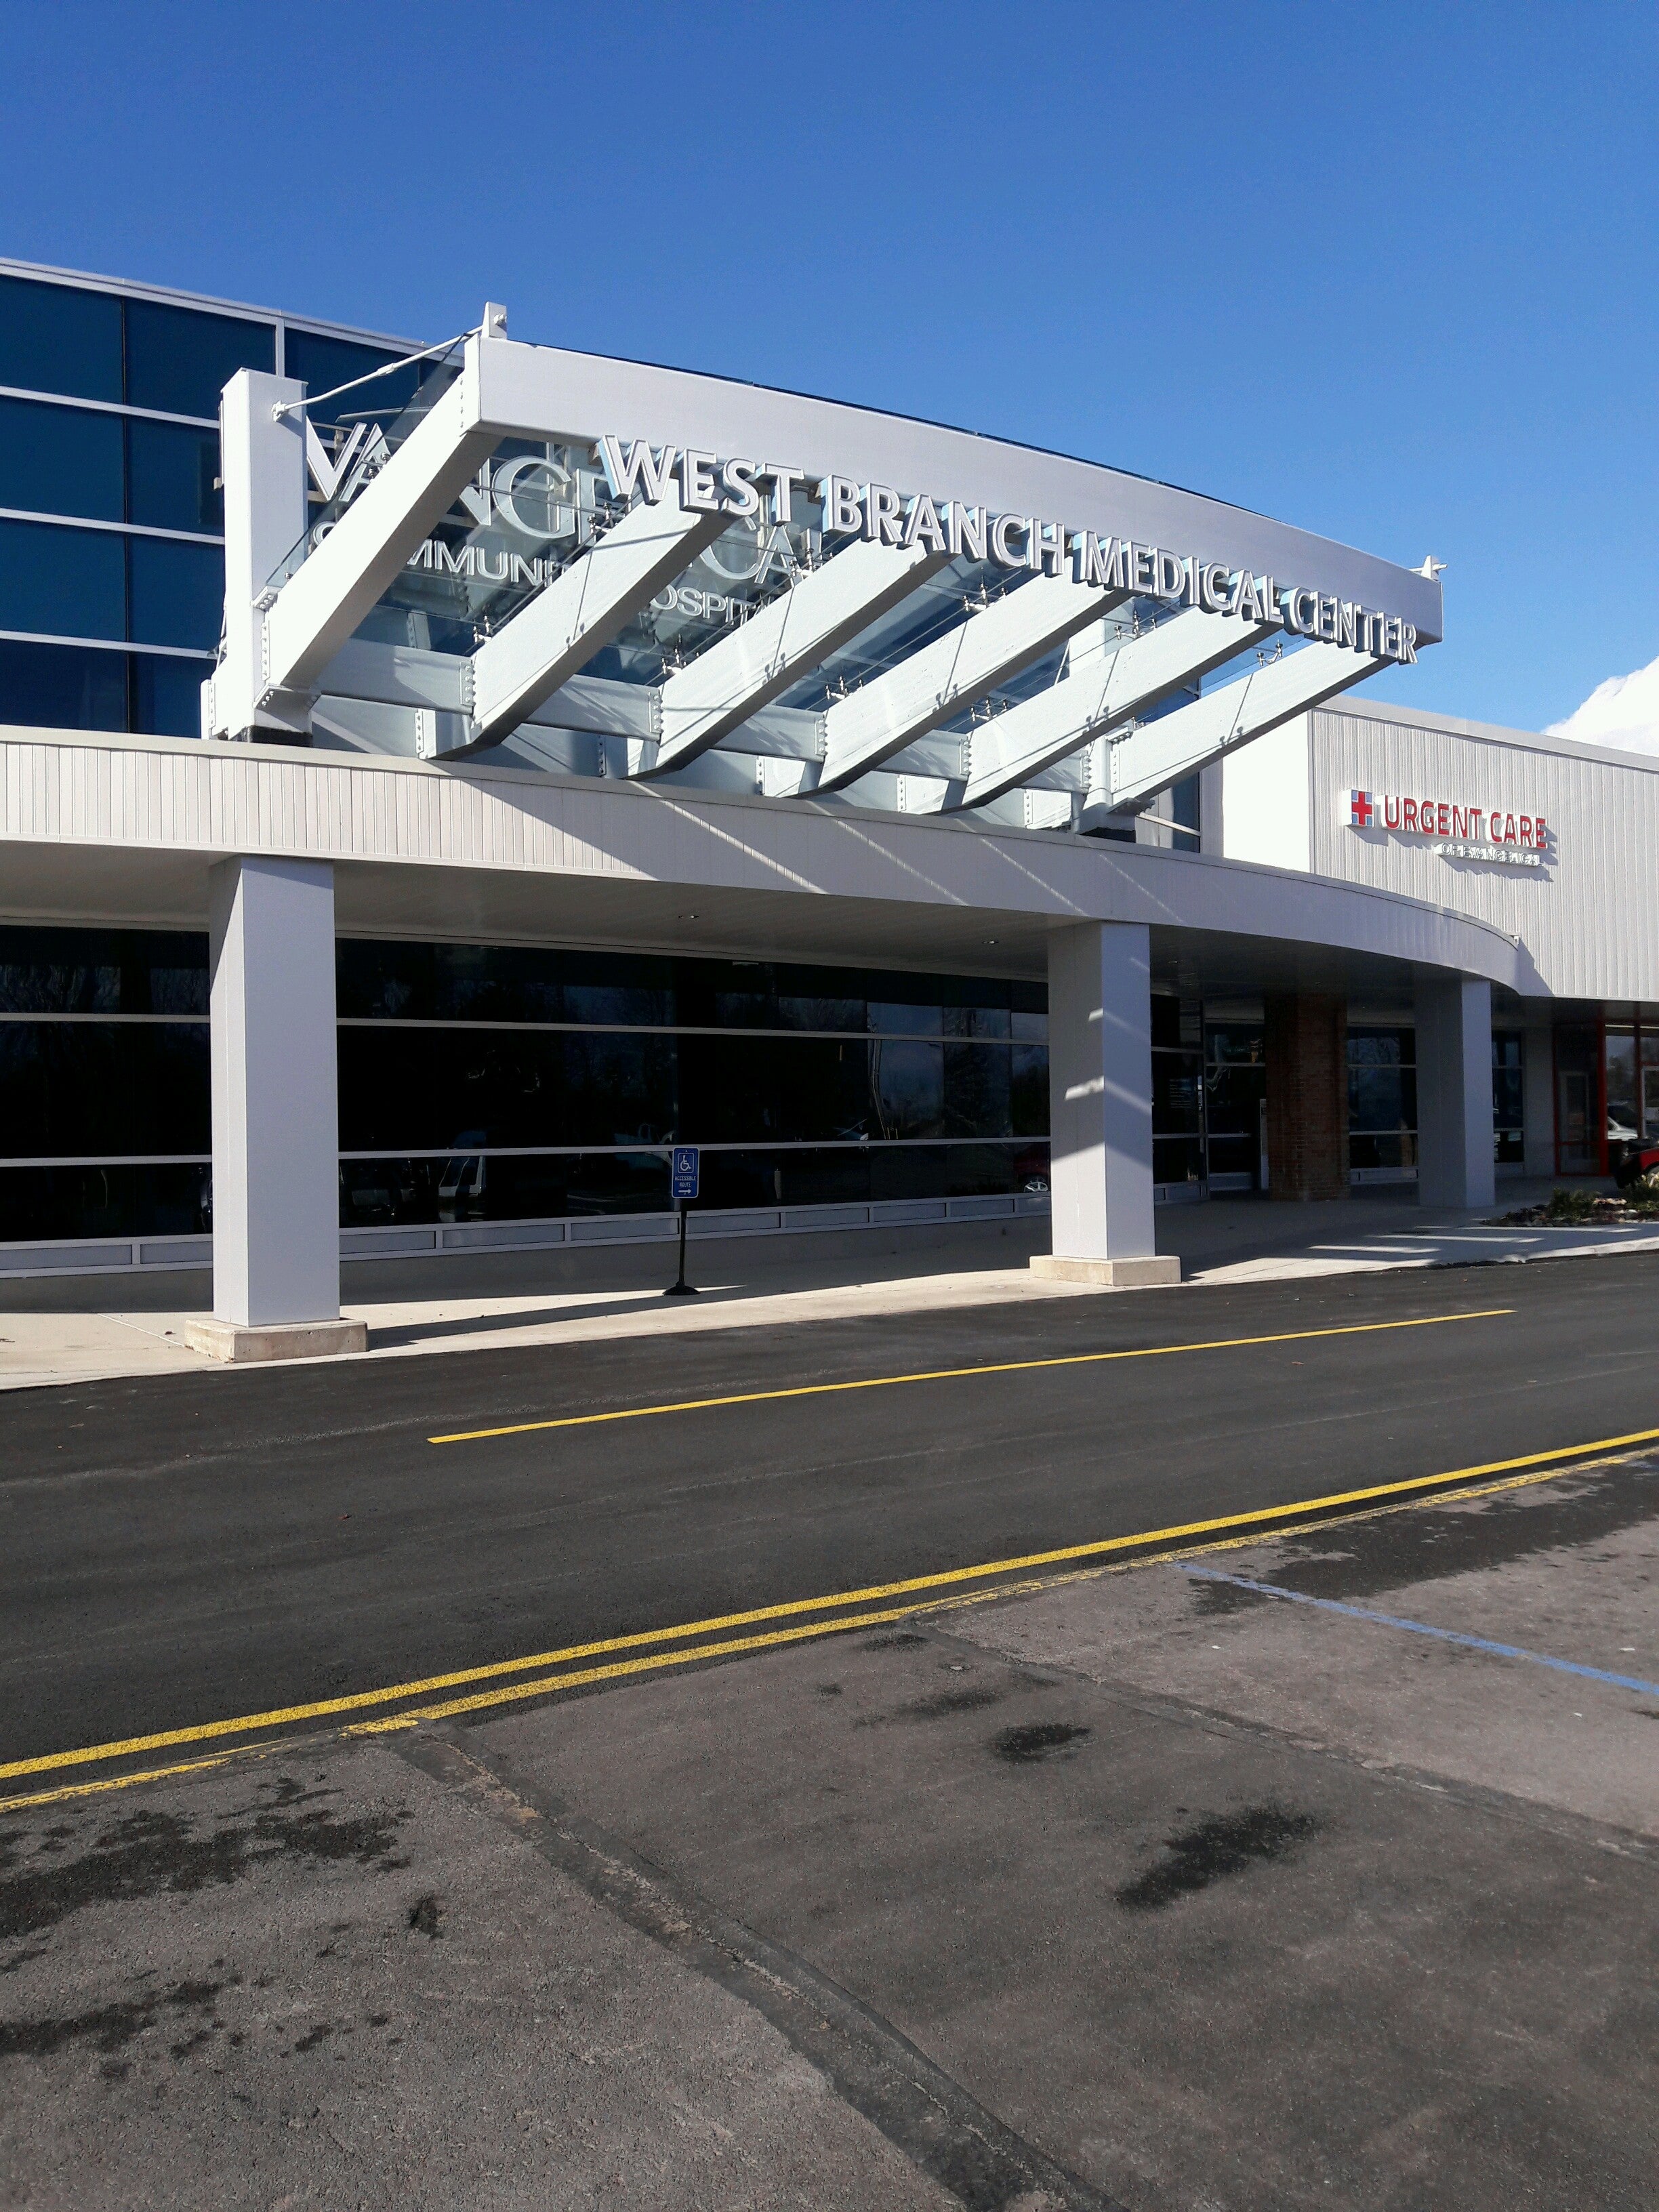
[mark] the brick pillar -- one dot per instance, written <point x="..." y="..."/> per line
<point x="1307" y="1038"/>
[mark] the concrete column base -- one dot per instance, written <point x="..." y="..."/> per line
<point x="279" y="1340"/>
<point x="1111" y="1274"/>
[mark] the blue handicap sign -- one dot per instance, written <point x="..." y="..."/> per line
<point x="686" y="1169"/>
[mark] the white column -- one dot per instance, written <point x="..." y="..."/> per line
<point x="1453" y="1093"/>
<point x="276" y="1115"/>
<point x="263" y="463"/>
<point x="1100" y="1108"/>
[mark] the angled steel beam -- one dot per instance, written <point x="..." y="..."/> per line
<point x="316" y="610"/>
<point x="1111" y="683"/>
<point x="1160" y="753"/>
<point x="939" y="680"/>
<point x="581" y="610"/>
<point x="724" y="685"/>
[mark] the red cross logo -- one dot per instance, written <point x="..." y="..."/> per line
<point x="1361" y="811"/>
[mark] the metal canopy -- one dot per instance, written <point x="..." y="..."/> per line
<point x="570" y="565"/>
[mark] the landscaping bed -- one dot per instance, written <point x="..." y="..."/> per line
<point x="1590" y="1209"/>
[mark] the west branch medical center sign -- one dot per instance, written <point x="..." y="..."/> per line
<point x="875" y="513"/>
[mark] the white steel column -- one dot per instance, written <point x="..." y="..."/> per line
<point x="1100" y="1108"/>
<point x="1453" y="1093"/>
<point x="276" y="1116"/>
<point x="263" y="463"/>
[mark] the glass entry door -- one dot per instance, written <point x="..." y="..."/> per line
<point x="1578" y="1101"/>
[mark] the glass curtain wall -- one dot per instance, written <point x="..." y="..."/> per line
<point x="482" y="1082"/>
<point x="112" y="515"/>
<point x="486" y="1082"/>
<point x="105" y="1127"/>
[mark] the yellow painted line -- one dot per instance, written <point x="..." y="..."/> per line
<point x="327" y="1707"/>
<point x="958" y="1374"/>
<point x="129" y="1781"/>
<point x="953" y="1604"/>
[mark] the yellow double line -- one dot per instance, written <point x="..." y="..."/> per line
<point x="875" y="1606"/>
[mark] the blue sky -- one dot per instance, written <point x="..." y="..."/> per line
<point x="1388" y="272"/>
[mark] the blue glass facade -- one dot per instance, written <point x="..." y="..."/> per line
<point x="111" y="566"/>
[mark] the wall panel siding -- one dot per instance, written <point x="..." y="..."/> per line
<point x="1589" y="917"/>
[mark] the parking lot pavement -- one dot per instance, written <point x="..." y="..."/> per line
<point x="329" y="1981"/>
<point x="1149" y="1889"/>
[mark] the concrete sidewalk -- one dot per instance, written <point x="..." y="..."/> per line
<point x="79" y="1329"/>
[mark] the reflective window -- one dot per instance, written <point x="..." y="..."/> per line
<point x="899" y="1018"/>
<point x="1508" y="1096"/>
<point x="63" y="687"/>
<point x="68" y="583"/>
<point x="172" y="473"/>
<point x="1235" y="1090"/>
<point x="1243" y="1043"/>
<point x="177" y="593"/>
<point x="1381" y="1100"/>
<point x="102" y="971"/>
<point x="1380" y="1048"/>
<point x="167" y="695"/>
<point x="1028" y="1090"/>
<point x="321" y="363"/>
<point x="1620" y="1087"/>
<point x="97" y="1202"/>
<point x="617" y="1089"/>
<point x="637" y="989"/>
<point x="1178" y="1094"/>
<point x="907" y="1080"/>
<point x="54" y="337"/>
<point x="60" y="460"/>
<point x="179" y="359"/>
<point x="976" y="1091"/>
<point x="87" y="1087"/>
<point x="976" y="1021"/>
<point x="482" y="1086"/>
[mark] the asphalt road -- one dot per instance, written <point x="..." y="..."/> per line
<point x="176" y="1550"/>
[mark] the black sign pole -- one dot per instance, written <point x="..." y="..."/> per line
<point x="681" y="1288"/>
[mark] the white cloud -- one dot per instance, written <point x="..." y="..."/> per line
<point x="1624" y="711"/>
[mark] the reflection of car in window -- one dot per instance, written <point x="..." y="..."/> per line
<point x="376" y="1190"/>
<point x="461" y="1183"/>
<point x="1031" y="1171"/>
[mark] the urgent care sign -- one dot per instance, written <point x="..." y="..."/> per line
<point x="1461" y="832"/>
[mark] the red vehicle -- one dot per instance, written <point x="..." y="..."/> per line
<point x="1638" y="1168"/>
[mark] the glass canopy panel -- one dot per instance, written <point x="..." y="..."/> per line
<point x="960" y="588"/>
<point x="748" y="566"/>
<point x="355" y="450"/>
<point x="533" y="506"/>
